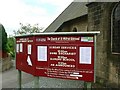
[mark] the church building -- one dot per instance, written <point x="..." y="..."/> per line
<point x="96" y="16"/>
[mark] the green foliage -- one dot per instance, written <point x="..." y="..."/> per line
<point x="24" y="29"/>
<point x="3" y="39"/>
<point x="28" y="29"/>
<point x="11" y="46"/>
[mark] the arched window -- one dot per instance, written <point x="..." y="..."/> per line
<point x="74" y="29"/>
<point x="116" y="30"/>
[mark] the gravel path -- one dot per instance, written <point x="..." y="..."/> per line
<point x="9" y="80"/>
<point x="55" y="83"/>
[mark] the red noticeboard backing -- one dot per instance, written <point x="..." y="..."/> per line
<point x="65" y="56"/>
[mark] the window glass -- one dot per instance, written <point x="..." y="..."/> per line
<point x="116" y="30"/>
<point x="75" y="29"/>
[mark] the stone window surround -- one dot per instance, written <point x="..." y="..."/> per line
<point x="112" y="27"/>
<point x="75" y="29"/>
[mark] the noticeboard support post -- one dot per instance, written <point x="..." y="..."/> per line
<point x="95" y="46"/>
<point x="36" y="82"/>
<point x="19" y="79"/>
<point x="87" y="86"/>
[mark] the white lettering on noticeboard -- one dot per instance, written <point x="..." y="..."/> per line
<point x="76" y="75"/>
<point x="29" y="48"/>
<point x="85" y="55"/>
<point x="42" y="53"/>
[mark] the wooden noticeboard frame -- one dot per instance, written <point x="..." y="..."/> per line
<point x="65" y="55"/>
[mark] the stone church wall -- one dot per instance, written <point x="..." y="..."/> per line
<point x="79" y="23"/>
<point x="99" y="19"/>
<point x="108" y="65"/>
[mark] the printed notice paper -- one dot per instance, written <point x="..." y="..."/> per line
<point x="21" y="47"/>
<point x="17" y="47"/>
<point x="29" y="61"/>
<point x="29" y="48"/>
<point x="42" y="53"/>
<point x="85" y="55"/>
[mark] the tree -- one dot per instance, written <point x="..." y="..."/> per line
<point x="3" y="38"/>
<point x="24" y="29"/>
<point x="11" y="46"/>
<point x="28" y="29"/>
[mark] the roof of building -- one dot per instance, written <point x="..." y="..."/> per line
<point x="74" y="10"/>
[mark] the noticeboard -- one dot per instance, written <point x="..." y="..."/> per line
<point x="69" y="55"/>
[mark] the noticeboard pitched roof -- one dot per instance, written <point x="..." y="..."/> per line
<point x="60" y="33"/>
<point x="74" y="10"/>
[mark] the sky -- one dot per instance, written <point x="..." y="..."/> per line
<point x="42" y="12"/>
